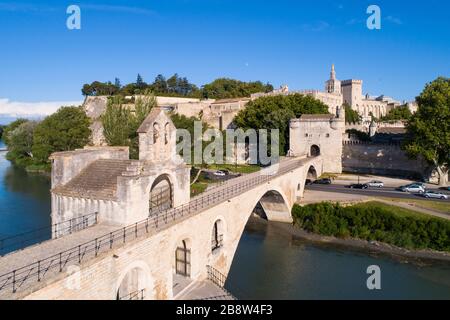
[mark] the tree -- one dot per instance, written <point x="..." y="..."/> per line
<point x="117" y="83"/>
<point x="87" y="90"/>
<point x="428" y="130"/>
<point x="140" y="84"/>
<point x="21" y="140"/>
<point x="120" y="123"/>
<point x="65" y="130"/>
<point x="275" y="112"/>
<point x="398" y="113"/>
<point x="351" y="116"/>
<point x="173" y="84"/>
<point x="160" y="84"/>
<point x="224" y="88"/>
<point x="10" y="128"/>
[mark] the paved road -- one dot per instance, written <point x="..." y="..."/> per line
<point x="387" y="192"/>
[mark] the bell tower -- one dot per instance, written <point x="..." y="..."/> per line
<point x="157" y="138"/>
<point x="333" y="85"/>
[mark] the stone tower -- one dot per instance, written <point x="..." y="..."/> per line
<point x="352" y="93"/>
<point x="333" y="85"/>
<point x="319" y="135"/>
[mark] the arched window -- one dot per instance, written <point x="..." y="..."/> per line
<point x="315" y="151"/>
<point x="217" y="236"/>
<point x="166" y="133"/>
<point x="183" y="260"/>
<point x="161" y="194"/>
<point x="155" y="132"/>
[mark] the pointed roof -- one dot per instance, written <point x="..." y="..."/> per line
<point x="332" y="73"/>
<point x="146" y="126"/>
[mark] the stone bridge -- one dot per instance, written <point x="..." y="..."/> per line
<point x="149" y="239"/>
<point x="162" y="255"/>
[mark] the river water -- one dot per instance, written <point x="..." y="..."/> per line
<point x="269" y="264"/>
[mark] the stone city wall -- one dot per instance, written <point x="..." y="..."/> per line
<point x="382" y="159"/>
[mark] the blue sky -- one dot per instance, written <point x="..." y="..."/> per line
<point x="283" y="41"/>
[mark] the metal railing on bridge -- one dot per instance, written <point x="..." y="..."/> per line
<point x="136" y="295"/>
<point x="23" y="240"/>
<point x="219" y="279"/>
<point x="38" y="270"/>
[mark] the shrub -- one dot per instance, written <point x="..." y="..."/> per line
<point x="374" y="221"/>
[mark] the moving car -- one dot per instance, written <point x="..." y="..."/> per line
<point x="413" y="188"/>
<point x="359" y="186"/>
<point x="323" y="181"/>
<point x="220" y="173"/>
<point x="375" y="184"/>
<point x="435" y="195"/>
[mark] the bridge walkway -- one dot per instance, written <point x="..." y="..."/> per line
<point x="22" y="269"/>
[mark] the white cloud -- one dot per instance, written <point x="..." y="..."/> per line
<point x="394" y="20"/>
<point x="123" y="9"/>
<point x="316" y="26"/>
<point x="32" y="109"/>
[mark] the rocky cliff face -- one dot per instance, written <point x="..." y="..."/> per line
<point x="94" y="108"/>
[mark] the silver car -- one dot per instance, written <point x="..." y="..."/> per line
<point x="414" y="188"/>
<point x="435" y="195"/>
<point x="375" y="184"/>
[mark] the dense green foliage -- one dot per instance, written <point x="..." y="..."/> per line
<point x="120" y="123"/>
<point x="399" y="113"/>
<point x="351" y="116"/>
<point x="428" y="130"/>
<point x="177" y="86"/>
<point x="375" y="221"/>
<point x="65" y="130"/>
<point x="30" y="143"/>
<point x="20" y="144"/>
<point x="224" y="88"/>
<point x="360" y="135"/>
<point x="174" y="86"/>
<point x="275" y="112"/>
<point x="10" y="128"/>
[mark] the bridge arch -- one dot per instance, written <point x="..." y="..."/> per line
<point x="273" y="205"/>
<point x="161" y="193"/>
<point x="311" y="174"/>
<point x="134" y="282"/>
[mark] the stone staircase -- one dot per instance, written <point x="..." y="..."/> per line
<point x="99" y="179"/>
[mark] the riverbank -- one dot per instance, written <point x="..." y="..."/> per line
<point x="372" y="248"/>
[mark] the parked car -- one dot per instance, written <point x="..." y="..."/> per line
<point x="220" y="173"/>
<point x="359" y="186"/>
<point x="375" y="184"/>
<point x="308" y="182"/>
<point x="413" y="188"/>
<point x="323" y="181"/>
<point x="435" y="195"/>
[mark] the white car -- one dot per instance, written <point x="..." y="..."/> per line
<point x="375" y="184"/>
<point x="435" y="195"/>
<point x="413" y="188"/>
<point x="220" y="173"/>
